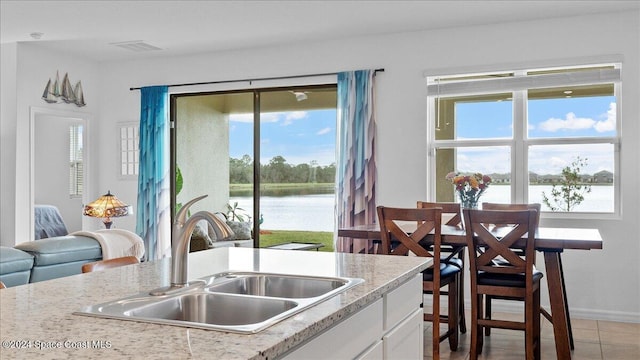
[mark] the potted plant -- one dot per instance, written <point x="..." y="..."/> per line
<point x="238" y="221"/>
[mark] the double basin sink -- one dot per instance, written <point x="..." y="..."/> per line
<point x="242" y="302"/>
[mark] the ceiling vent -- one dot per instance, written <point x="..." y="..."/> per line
<point x="136" y="46"/>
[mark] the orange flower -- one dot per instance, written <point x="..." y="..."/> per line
<point x="473" y="182"/>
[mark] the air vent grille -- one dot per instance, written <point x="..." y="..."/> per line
<point x="136" y="46"/>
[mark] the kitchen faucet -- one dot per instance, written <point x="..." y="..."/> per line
<point x="181" y="239"/>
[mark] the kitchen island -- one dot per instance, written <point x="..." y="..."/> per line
<point x="37" y="320"/>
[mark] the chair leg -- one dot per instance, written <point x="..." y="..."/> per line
<point x="528" y="332"/>
<point x="461" y="315"/>
<point x="435" y="334"/>
<point x="475" y="348"/>
<point x="532" y="326"/>
<point x="536" y="323"/>
<point x="453" y="301"/>
<point x="487" y="330"/>
<point x="481" y="315"/>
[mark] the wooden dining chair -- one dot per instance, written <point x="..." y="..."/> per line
<point x="396" y="240"/>
<point x="2" y="285"/>
<point x="452" y="216"/>
<point x="501" y="206"/>
<point x="110" y="263"/>
<point x="513" y="278"/>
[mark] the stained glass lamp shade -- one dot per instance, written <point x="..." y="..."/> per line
<point x="106" y="207"/>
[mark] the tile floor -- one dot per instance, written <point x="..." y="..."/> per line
<point x="594" y="339"/>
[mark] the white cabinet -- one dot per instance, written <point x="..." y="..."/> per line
<point x="405" y="341"/>
<point x="347" y="339"/>
<point x="375" y="352"/>
<point x="389" y="328"/>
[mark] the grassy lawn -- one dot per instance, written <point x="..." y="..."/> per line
<point x="283" y="186"/>
<point x="274" y="237"/>
<point x="282" y="189"/>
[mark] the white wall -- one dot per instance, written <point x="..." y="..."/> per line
<point x="601" y="283"/>
<point x="51" y="168"/>
<point x="202" y="152"/>
<point x="34" y="66"/>
<point x="8" y="99"/>
<point x="401" y="115"/>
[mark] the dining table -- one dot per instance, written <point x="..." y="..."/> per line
<point x="550" y="241"/>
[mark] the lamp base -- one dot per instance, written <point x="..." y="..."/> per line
<point x="107" y="223"/>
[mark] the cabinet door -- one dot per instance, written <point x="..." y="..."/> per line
<point x="347" y="339"/>
<point x="376" y="352"/>
<point x="405" y="341"/>
<point x="402" y="301"/>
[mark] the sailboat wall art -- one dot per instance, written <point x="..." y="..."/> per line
<point x="63" y="92"/>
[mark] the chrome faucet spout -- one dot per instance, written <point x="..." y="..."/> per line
<point x="181" y="240"/>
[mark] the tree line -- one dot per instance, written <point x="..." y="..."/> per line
<point x="279" y="171"/>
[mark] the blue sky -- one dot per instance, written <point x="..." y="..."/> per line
<point x="548" y="118"/>
<point x="303" y="136"/>
<point x="298" y="136"/>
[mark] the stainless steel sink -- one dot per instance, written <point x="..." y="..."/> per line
<point x="275" y="285"/>
<point x="244" y="302"/>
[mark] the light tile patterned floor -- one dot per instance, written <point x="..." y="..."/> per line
<point x="594" y="339"/>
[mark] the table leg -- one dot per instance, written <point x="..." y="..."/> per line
<point x="566" y="303"/>
<point x="556" y="297"/>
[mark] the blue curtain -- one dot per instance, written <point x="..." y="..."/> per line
<point x="153" y="222"/>
<point x="356" y="173"/>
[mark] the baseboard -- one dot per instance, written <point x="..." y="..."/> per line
<point x="576" y="313"/>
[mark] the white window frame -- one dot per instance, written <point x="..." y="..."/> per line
<point x="519" y="143"/>
<point x="128" y="147"/>
<point x="76" y="177"/>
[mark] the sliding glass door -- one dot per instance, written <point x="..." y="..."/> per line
<point x="289" y="194"/>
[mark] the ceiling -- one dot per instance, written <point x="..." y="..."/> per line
<point x="90" y="28"/>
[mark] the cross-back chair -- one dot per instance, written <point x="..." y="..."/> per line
<point x="452" y="216"/>
<point x="397" y="240"/>
<point x="110" y="263"/>
<point x="512" y="277"/>
<point x="501" y="206"/>
<point x="545" y="313"/>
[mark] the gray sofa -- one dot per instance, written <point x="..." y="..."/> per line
<point x="60" y="256"/>
<point x="46" y="259"/>
<point x="57" y="254"/>
<point x="53" y="254"/>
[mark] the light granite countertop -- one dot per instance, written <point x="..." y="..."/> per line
<point x="37" y="320"/>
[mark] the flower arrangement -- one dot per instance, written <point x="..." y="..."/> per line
<point x="469" y="187"/>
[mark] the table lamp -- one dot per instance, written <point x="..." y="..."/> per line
<point x="106" y="207"/>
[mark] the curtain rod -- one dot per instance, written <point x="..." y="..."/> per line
<point x="252" y="80"/>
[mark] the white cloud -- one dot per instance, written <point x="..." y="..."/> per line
<point x="610" y="123"/>
<point x="270" y="117"/>
<point x="550" y="159"/>
<point x="285" y="117"/>
<point x="323" y="131"/>
<point x="289" y="117"/>
<point x="570" y="122"/>
<point x="487" y="160"/>
<point x="244" y="118"/>
<point x="295" y="115"/>
<point x="556" y="162"/>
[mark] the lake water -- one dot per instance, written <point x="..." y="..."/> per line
<point x="316" y="212"/>
<point x="297" y="212"/>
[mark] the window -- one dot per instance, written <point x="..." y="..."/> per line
<point x="76" y="172"/>
<point x="291" y="130"/>
<point x="129" y="157"/>
<point x="523" y="128"/>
